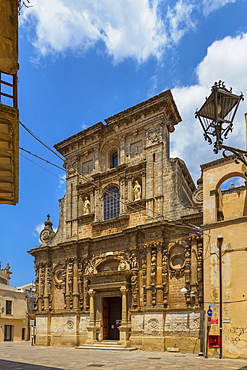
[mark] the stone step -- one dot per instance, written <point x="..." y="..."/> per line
<point x="110" y="346"/>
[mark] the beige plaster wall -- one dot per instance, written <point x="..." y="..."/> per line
<point x="18" y="317"/>
<point x="233" y="230"/>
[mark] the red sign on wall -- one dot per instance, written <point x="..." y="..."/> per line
<point x="214" y="321"/>
<point x="214" y="341"/>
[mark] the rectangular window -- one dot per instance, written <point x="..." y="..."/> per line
<point x="135" y="149"/>
<point x="111" y="203"/>
<point x="23" y="333"/>
<point x="7" y="332"/>
<point x="8" y="307"/>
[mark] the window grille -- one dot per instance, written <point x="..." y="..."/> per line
<point x="111" y="203"/>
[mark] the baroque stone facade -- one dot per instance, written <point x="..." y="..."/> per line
<point x="124" y="248"/>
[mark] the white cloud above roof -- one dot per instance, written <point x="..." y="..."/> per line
<point x="137" y="29"/>
<point x="127" y="28"/>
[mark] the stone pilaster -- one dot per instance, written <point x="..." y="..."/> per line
<point x="159" y="286"/>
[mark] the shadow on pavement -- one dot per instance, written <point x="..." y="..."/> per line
<point x="12" y="365"/>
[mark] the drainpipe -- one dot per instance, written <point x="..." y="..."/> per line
<point x="219" y="244"/>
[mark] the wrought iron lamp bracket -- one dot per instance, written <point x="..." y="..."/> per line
<point x="239" y="155"/>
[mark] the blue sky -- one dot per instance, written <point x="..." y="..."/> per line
<point x="82" y="61"/>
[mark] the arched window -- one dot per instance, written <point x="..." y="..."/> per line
<point x="111" y="203"/>
<point x="114" y="159"/>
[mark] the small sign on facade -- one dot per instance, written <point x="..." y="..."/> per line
<point x="209" y="312"/>
<point x="214" y="321"/>
<point x="32" y="322"/>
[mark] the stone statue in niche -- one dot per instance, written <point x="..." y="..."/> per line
<point x="86" y="206"/>
<point x="137" y="191"/>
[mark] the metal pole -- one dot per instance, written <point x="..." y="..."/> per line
<point x="220" y="241"/>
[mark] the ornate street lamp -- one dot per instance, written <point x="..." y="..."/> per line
<point x="216" y="117"/>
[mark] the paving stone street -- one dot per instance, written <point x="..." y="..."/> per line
<point x="23" y="356"/>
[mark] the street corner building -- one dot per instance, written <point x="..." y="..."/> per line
<point x="114" y="270"/>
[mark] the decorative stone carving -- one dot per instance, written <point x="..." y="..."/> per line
<point x="165" y="280"/>
<point x="123" y="265"/>
<point x="153" y="275"/>
<point x="197" y="196"/>
<point x="86" y="206"/>
<point x="154" y="136"/>
<point x="137" y="191"/>
<point x="47" y="233"/>
<point x="135" y="289"/>
<point x="144" y="278"/>
<point x="153" y="324"/>
<point x="177" y="260"/>
<point x="70" y="324"/>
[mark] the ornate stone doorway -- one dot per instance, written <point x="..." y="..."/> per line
<point x="112" y="314"/>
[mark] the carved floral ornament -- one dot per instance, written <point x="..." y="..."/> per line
<point x="92" y="268"/>
<point x="153" y="324"/>
<point x="154" y="136"/>
<point x="70" y="324"/>
<point x="197" y="196"/>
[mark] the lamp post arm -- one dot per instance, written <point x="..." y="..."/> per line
<point x="239" y="155"/>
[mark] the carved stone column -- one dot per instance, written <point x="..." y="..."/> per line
<point x="200" y="270"/>
<point x="122" y="150"/>
<point x="130" y="192"/>
<point x="69" y="283"/>
<point x="91" y="306"/>
<point x="153" y="272"/>
<point x="194" y="281"/>
<point x="75" y="286"/>
<point x="159" y="285"/>
<point x="124" y="328"/>
<point x="39" y="287"/>
<point x="148" y="284"/>
<point x="122" y="194"/>
<point x="91" y="329"/>
<point x="165" y="279"/>
<point x="96" y="159"/>
<point x="97" y="204"/>
<point x="124" y="292"/>
<point x="47" y="287"/>
<point x="143" y="184"/>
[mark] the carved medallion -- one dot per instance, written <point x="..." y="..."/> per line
<point x="153" y="324"/>
<point x="70" y="324"/>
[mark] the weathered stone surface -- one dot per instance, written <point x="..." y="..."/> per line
<point x="115" y="267"/>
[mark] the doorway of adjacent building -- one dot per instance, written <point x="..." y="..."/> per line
<point x="112" y="313"/>
<point x="7" y="332"/>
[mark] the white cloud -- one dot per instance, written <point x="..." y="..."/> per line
<point x="226" y="60"/>
<point x="212" y="5"/>
<point x="127" y="28"/>
<point x="180" y="19"/>
<point x="38" y="229"/>
<point x="62" y="181"/>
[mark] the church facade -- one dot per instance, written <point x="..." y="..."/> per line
<point x="124" y="252"/>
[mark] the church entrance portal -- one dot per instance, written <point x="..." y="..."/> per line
<point x="112" y="313"/>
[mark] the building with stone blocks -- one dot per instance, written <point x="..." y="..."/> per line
<point x="13" y="309"/>
<point x="225" y="228"/>
<point x="9" y="113"/>
<point x="124" y="248"/>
